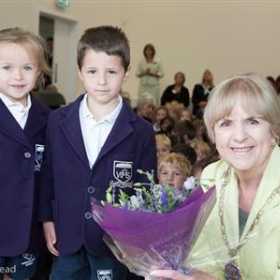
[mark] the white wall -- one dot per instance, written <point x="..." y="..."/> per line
<point x="227" y="37"/>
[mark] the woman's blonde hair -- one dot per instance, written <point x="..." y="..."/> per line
<point x="258" y="97"/>
<point x="177" y="159"/>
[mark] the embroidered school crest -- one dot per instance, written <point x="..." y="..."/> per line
<point x="105" y="274"/>
<point x="28" y="259"/>
<point x="122" y="171"/>
<point x="39" y="151"/>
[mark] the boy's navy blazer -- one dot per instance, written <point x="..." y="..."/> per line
<point x="67" y="190"/>
<point x="19" y="181"/>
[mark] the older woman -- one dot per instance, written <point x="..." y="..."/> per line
<point x="241" y="239"/>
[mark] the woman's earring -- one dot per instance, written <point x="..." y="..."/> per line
<point x="273" y="143"/>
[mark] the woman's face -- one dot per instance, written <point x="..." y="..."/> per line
<point x="244" y="140"/>
<point x="207" y="76"/>
<point x="149" y="52"/>
<point x="179" y="79"/>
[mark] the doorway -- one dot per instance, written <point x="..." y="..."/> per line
<point x="63" y="33"/>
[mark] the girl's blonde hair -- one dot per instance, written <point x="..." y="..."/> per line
<point x="34" y="45"/>
<point x="202" y="147"/>
<point x="163" y="140"/>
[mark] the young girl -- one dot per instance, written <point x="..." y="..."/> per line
<point x="173" y="169"/>
<point x="22" y="136"/>
<point x="163" y="144"/>
<point x="160" y="113"/>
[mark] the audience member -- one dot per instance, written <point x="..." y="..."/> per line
<point x="186" y="150"/>
<point x="160" y="113"/>
<point x="184" y="132"/>
<point x="173" y="170"/>
<point x="145" y="107"/>
<point x="177" y="91"/>
<point x="167" y="126"/>
<point x="201" y="92"/>
<point x="163" y="144"/>
<point x="174" y="108"/>
<point x="185" y="115"/>
<point x="149" y="71"/>
<point x="202" y="149"/>
<point x="199" y="165"/>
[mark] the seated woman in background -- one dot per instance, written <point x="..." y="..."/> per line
<point x="201" y="92"/>
<point x="177" y="91"/>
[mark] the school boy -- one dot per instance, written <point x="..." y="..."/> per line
<point x="95" y="142"/>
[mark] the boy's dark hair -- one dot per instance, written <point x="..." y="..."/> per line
<point x="108" y="39"/>
<point x="186" y="150"/>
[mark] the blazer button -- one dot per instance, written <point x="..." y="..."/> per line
<point x="88" y="215"/>
<point x="27" y="155"/>
<point x="91" y="189"/>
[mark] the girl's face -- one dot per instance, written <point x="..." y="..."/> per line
<point x="244" y="140"/>
<point x="103" y="76"/>
<point x="18" y="72"/>
<point x="171" y="174"/>
<point x="160" y="114"/>
<point x="162" y="150"/>
<point x="185" y="116"/>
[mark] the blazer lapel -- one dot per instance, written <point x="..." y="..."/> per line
<point x="37" y="118"/>
<point x="70" y="125"/>
<point x="121" y="129"/>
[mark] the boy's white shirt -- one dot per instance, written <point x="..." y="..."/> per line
<point x="95" y="133"/>
<point x="19" y="112"/>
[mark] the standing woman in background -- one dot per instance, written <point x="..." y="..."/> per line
<point x="149" y="72"/>
<point x="201" y="92"/>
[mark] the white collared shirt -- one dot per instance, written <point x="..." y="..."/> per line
<point x="95" y="133"/>
<point x="19" y="112"/>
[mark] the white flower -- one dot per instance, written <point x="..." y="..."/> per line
<point x="189" y="184"/>
<point x="135" y="203"/>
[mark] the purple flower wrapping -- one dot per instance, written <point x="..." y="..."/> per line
<point x="142" y="240"/>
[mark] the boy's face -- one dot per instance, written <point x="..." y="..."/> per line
<point x="171" y="174"/>
<point x="18" y="72"/>
<point x="103" y="76"/>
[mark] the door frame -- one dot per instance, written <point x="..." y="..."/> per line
<point x="70" y="91"/>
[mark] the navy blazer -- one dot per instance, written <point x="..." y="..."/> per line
<point x="19" y="177"/>
<point x="67" y="191"/>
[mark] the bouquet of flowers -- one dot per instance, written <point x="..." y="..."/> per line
<point x="156" y="227"/>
